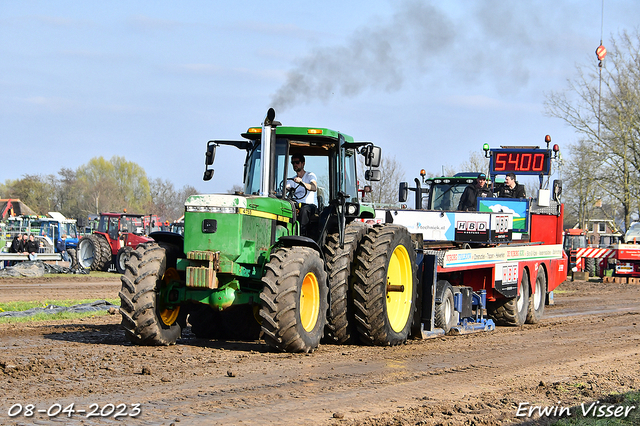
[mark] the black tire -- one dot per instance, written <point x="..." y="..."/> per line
<point x="537" y="298"/>
<point x="294" y="300"/>
<point x="591" y="266"/>
<point x="386" y="258"/>
<point x="512" y="311"/>
<point x="73" y="255"/>
<point x="340" y="327"/>
<point x="121" y="259"/>
<point x="144" y="319"/>
<point x="444" y="315"/>
<point x="90" y="253"/>
<point x="107" y="256"/>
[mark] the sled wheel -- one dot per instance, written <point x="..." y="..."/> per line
<point x="121" y="259"/>
<point x="294" y="300"/>
<point x="385" y="286"/>
<point x="537" y="299"/>
<point x="145" y="319"/>
<point x="444" y="317"/>
<point x="512" y="311"/>
<point x="340" y="326"/>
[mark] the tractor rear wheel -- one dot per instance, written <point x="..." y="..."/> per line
<point x="121" y="259"/>
<point x="512" y="311"/>
<point x="385" y="286"/>
<point x="294" y="300"/>
<point x="145" y="318"/>
<point x="537" y="299"/>
<point x="340" y="326"/>
<point x="90" y="255"/>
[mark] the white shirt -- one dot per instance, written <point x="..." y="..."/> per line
<point x="299" y="195"/>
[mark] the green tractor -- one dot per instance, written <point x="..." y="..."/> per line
<point x="243" y="270"/>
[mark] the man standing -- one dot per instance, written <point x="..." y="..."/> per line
<point x="511" y="188"/>
<point x="472" y="192"/>
<point x="61" y="247"/>
<point x="304" y="184"/>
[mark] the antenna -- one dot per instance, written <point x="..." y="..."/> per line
<point x="601" y="53"/>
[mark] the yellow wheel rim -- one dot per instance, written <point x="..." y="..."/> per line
<point x="169" y="316"/>
<point x="399" y="302"/>
<point x="309" y="301"/>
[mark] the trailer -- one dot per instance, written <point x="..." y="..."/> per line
<point x="505" y="258"/>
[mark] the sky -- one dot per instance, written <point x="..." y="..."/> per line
<point x="153" y="81"/>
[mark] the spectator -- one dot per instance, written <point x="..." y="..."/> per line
<point x="32" y="247"/>
<point x="16" y="245"/>
<point x="61" y="248"/>
<point x="25" y="240"/>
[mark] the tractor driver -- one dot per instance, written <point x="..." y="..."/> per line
<point x="304" y="184"/>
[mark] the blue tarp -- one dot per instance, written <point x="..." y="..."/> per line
<point x="37" y="268"/>
<point x="98" y="305"/>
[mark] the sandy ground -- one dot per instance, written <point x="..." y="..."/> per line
<point x="585" y="349"/>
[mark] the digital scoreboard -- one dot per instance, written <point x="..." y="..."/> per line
<point x="521" y="161"/>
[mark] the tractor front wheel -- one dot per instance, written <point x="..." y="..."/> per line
<point x="294" y="300"/>
<point x="121" y="259"/>
<point x="385" y="286"/>
<point x="145" y="318"/>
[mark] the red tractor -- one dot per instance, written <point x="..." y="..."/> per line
<point x="114" y="239"/>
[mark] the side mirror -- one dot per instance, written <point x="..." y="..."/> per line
<point x="208" y="160"/>
<point x="373" y="175"/>
<point x="210" y="154"/>
<point x="372" y="155"/>
<point x="557" y="189"/>
<point x="403" y="192"/>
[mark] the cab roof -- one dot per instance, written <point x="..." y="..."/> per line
<point x="299" y="133"/>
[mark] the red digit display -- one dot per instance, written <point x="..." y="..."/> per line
<point x="523" y="161"/>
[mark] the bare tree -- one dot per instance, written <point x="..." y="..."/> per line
<point x="607" y="118"/>
<point x="384" y="191"/>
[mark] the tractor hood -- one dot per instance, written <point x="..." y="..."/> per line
<point x="248" y="205"/>
<point x="239" y="227"/>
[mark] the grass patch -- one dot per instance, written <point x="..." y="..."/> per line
<point x="23" y="306"/>
<point x="629" y="399"/>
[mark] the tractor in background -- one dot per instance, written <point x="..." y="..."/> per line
<point x="111" y="243"/>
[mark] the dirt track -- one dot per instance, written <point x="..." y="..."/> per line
<point x="585" y="347"/>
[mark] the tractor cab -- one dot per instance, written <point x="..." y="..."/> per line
<point x="329" y="154"/>
<point x="438" y="193"/>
